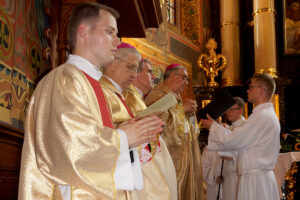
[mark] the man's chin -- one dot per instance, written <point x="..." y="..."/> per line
<point x="108" y="61"/>
<point x="249" y="100"/>
<point x="126" y="86"/>
<point x="179" y="91"/>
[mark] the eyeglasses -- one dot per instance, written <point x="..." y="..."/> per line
<point x="234" y="109"/>
<point x="131" y="67"/>
<point x="184" y="77"/>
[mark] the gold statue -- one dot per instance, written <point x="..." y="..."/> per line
<point x="213" y="63"/>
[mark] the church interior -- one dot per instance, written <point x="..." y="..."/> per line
<point x="222" y="43"/>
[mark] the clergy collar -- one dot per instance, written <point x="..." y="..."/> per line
<point x="85" y="66"/>
<point x="117" y="86"/>
<point x="262" y="106"/>
<point x="238" y="122"/>
<point x="138" y="90"/>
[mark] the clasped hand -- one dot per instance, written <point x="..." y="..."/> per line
<point x="190" y="106"/>
<point x="143" y="130"/>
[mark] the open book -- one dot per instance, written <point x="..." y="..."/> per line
<point x="162" y="104"/>
<point x="218" y="106"/>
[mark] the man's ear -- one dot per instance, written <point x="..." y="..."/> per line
<point x="115" y="61"/>
<point x="83" y="31"/>
<point x="262" y="90"/>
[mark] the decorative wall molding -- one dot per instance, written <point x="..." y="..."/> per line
<point x="191" y="21"/>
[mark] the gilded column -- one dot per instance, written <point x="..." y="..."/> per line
<point x="230" y="39"/>
<point x="264" y="36"/>
<point x="230" y="42"/>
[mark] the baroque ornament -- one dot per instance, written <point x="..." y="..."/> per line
<point x="212" y="63"/>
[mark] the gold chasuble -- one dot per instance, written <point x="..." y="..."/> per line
<point x="66" y="145"/>
<point x="119" y="114"/>
<point x="159" y="173"/>
<point x="181" y="140"/>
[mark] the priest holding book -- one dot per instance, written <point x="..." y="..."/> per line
<point x="116" y="79"/>
<point x="179" y="133"/>
<point x="158" y="169"/>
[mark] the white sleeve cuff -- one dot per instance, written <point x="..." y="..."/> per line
<point x="124" y="147"/>
<point x="137" y="171"/>
<point x="123" y="174"/>
<point x="127" y="176"/>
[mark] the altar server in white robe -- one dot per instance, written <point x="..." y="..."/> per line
<point x="257" y="141"/>
<point x="229" y="187"/>
<point x="212" y="161"/>
<point x="209" y="165"/>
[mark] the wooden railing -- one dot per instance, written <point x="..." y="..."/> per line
<point x="11" y="141"/>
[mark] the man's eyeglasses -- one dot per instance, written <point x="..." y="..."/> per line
<point x="131" y="67"/>
<point x="184" y="77"/>
<point x="234" y="109"/>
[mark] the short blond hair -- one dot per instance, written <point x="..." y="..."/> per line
<point x="87" y="11"/>
<point x="267" y="82"/>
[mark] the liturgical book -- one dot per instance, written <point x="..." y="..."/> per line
<point x="218" y="106"/>
<point x="161" y="105"/>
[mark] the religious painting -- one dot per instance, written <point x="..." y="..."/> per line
<point x="291" y="25"/>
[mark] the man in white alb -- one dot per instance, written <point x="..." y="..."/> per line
<point x="212" y="161"/>
<point x="257" y="141"/>
<point x="229" y="179"/>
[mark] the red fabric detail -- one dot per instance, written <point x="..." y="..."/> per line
<point x="106" y="118"/>
<point x="145" y="155"/>
<point x="125" y="45"/>
<point x="124" y="103"/>
<point x="172" y="66"/>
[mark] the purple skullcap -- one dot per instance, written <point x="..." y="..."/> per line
<point x="125" y="45"/>
<point x="172" y="66"/>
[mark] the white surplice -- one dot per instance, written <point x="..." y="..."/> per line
<point x="258" y="144"/>
<point x="229" y="188"/>
<point x="209" y="166"/>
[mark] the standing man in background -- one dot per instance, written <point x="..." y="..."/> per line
<point x="158" y="169"/>
<point x="179" y="134"/>
<point x="229" y="179"/>
<point x="213" y="161"/>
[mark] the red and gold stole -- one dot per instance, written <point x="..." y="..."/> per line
<point x="145" y="151"/>
<point x="106" y="118"/>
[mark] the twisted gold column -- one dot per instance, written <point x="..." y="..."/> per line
<point x="264" y="36"/>
<point x="230" y="40"/>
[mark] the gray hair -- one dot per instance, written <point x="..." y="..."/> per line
<point x="167" y="73"/>
<point x="240" y="102"/>
<point x="141" y="64"/>
<point x="124" y="52"/>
